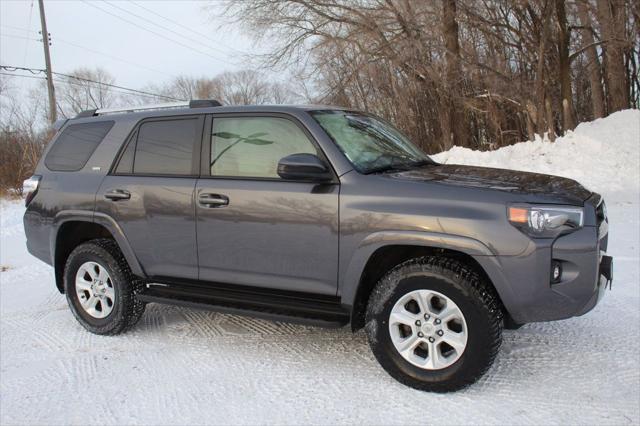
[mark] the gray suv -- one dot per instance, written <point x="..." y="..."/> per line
<point x="316" y="215"/>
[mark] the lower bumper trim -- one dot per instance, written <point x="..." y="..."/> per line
<point x="606" y="269"/>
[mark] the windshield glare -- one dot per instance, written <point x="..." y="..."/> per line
<point x="369" y="143"/>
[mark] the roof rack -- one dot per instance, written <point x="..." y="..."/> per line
<point x="197" y="103"/>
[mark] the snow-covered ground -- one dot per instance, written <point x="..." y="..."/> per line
<point x="182" y="366"/>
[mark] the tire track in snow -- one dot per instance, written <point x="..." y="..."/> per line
<point x="202" y="322"/>
<point x="246" y="325"/>
<point x="152" y="321"/>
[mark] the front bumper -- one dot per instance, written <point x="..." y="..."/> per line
<point x="605" y="278"/>
<point x="525" y="283"/>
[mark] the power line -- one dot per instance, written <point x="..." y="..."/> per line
<point x="13" y="27"/>
<point x="164" y="28"/>
<point x="57" y="80"/>
<point x="59" y="107"/>
<point x="25" y="76"/>
<point x="39" y="71"/>
<point x="78" y="46"/>
<point x="110" y="56"/>
<point x="118" y="87"/>
<point x="155" y="33"/>
<point x="20" y="37"/>
<point x="26" y="45"/>
<point x="180" y="25"/>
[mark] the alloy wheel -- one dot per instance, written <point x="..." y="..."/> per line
<point x="95" y="289"/>
<point x="428" y="329"/>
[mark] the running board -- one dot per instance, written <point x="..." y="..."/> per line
<point x="293" y="307"/>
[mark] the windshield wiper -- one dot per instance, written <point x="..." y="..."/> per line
<point x="402" y="167"/>
<point x="387" y="168"/>
<point x="419" y="163"/>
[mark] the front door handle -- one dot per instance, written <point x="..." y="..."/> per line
<point x="117" y="194"/>
<point x="213" y="200"/>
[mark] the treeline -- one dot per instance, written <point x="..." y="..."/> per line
<point x="474" y="73"/>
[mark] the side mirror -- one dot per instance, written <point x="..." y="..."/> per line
<point x="307" y="167"/>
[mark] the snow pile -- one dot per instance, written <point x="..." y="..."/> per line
<point x="603" y="155"/>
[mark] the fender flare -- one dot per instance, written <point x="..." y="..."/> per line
<point x="101" y="219"/>
<point x="350" y="282"/>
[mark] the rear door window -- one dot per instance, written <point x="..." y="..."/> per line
<point x="167" y="147"/>
<point x="71" y="151"/>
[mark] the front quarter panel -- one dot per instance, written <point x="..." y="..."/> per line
<point x="377" y="211"/>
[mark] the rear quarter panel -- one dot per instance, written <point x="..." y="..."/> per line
<point x="63" y="195"/>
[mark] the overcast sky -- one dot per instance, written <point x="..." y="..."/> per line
<point x="138" y="42"/>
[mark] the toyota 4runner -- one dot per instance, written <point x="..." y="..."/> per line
<point x="316" y="215"/>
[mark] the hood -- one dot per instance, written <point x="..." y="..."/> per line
<point x="547" y="187"/>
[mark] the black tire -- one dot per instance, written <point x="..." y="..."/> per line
<point x="127" y="310"/>
<point x="476" y="299"/>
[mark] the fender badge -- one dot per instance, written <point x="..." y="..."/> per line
<point x="96" y="169"/>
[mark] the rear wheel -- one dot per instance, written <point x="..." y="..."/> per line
<point x="434" y="324"/>
<point x="101" y="289"/>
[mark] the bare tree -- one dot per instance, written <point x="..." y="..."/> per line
<point x="85" y="89"/>
<point x="453" y="129"/>
<point x="242" y="87"/>
<point x="593" y="60"/>
<point x="564" y="65"/>
<point x="22" y="139"/>
<point x="612" y="19"/>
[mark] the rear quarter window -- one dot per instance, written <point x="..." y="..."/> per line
<point x="71" y="151"/>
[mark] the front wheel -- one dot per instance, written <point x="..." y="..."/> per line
<point x="434" y="324"/>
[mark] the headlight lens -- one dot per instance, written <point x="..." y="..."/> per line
<point x="546" y="221"/>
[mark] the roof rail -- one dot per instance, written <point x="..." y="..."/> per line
<point x="198" y="103"/>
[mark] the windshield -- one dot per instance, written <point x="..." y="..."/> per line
<point x="369" y="143"/>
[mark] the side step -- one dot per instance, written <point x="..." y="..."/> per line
<point x="294" y="307"/>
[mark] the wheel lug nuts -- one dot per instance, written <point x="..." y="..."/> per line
<point x="426" y="316"/>
<point x="440" y="332"/>
<point x="431" y="339"/>
<point x="420" y="334"/>
<point x="437" y="321"/>
<point x="418" y="323"/>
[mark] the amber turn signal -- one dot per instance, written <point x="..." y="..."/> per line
<point x="518" y="215"/>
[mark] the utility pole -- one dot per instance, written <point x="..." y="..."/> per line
<point x="53" y="112"/>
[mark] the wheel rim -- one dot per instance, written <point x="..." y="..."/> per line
<point x="428" y="329"/>
<point x="95" y="289"/>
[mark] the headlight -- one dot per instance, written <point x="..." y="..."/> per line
<point x="546" y="221"/>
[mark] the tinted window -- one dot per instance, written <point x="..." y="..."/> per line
<point x="74" y="146"/>
<point x="166" y="147"/>
<point x="126" y="161"/>
<point x="252" y="146"/>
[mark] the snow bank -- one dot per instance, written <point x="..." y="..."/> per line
<point x="603" y="155"/>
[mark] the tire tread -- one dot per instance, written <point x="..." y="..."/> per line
<point x="453" y="269"/>
<point x="131" y="285"/>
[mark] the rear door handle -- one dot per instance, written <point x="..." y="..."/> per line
<point x="117" y="194"/>
<point x="213" y="200"/>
